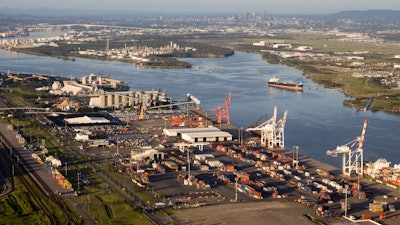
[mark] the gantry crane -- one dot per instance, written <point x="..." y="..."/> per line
<point x="272" y="132"/>
<point x="353" y="157"/>
<point x="279" y="134"/>
<point x="223" y="112"/>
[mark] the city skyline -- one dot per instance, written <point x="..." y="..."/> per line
<point x="208" y="6"/>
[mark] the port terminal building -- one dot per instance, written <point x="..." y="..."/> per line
<point x="197" y="135"/>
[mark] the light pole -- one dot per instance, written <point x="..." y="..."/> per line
<point x="296" y="157"/>
<point x="206" y="120"/>
<point x="66" y="168"/>
<point x="188" y="158"/>
<point x="117" y="147"/>
<point x="241" y="136"/>
<point x="345" y="201"/>
<point x="240" y="131"/>
<point x="78" y="181"/>
<point x="236" y="187"/>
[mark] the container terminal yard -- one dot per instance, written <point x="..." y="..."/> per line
<point x="196" y="158"/>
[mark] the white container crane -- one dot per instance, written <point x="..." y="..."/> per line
<point x="272" y="132"/>
<point x="353" y="156"/>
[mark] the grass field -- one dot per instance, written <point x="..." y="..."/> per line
<point x="108" y="207"/>
<point x="19" y="208"/>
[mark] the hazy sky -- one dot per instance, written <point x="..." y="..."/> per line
<point x="237" y="6"/>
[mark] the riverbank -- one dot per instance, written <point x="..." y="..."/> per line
<point x="359" y="89"/>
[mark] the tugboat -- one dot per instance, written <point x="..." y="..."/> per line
<point x="275" y="82"/>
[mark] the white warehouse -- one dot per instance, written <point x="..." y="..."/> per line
<point x="193" y="135"/>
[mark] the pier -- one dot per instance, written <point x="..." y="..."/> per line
<point x="367" y="104"/>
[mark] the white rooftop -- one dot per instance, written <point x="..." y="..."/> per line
<point x="86" y="120"/>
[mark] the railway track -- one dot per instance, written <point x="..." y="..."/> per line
<point x="27" y="181"/>
<point x="39" y="193"/>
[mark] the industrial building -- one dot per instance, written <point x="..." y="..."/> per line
<point x="87" y="120"/>
<point x="147" y="154"/>
<point x="127" y="99"/>
<point x="94" y="143"/>
<point x="77" y="120"/>
<point x="194" y="135"/>
<point x="72" y="88"/>
<point x="103" y="82"/>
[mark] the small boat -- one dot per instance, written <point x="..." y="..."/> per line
<point x="275" y="82"/>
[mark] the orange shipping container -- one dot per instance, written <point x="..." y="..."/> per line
<point x="61" y="180"/>
<point x="365" y="216"/>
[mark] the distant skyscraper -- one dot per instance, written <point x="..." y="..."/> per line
<point x="108" y="45"/>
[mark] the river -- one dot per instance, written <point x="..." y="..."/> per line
<point x="317" y="120"/>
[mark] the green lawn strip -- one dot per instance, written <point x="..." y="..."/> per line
<point x="108" y="207"/>
<point x="145" y="196"/>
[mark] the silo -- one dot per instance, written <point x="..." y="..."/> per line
<point x="131" y="99"/>
<point x="102" y="100"/>
<point x="124" y="100"/>
<point x="117" y="100"/>
<point x="110" y="100"/>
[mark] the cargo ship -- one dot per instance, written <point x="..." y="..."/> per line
<point x="275" y="82"/>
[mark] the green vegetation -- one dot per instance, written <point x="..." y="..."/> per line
<point x="108" y="207"/>
<point x="167" y="63"/>
<point x="20" y="208"/>
<point x="68" y="51"/>
<point x="27" y="205"/>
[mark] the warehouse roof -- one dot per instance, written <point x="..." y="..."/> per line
<point x="175" y="132"/>
<point x="86" y="120"/>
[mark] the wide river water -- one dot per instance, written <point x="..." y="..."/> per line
<point x="317" y="120"/>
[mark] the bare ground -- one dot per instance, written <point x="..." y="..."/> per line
<point x="276" y="213"/>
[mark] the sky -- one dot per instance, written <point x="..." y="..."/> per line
<point x="210" y="6"/>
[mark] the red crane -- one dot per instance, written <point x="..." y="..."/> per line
<point x="223" y="112"/>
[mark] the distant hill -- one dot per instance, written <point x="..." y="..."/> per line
<point x="368" y="15"/>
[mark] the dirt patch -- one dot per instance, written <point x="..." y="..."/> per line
<point x="277" y="213"/>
